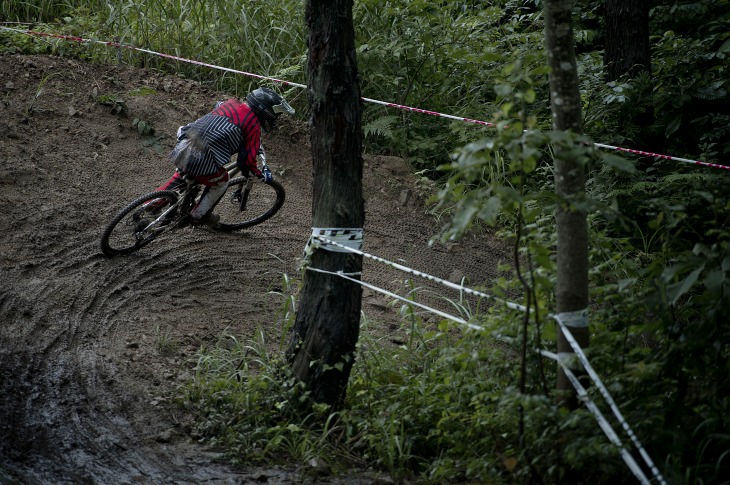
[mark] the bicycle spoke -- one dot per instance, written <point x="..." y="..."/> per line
<point x="139" y="223"/>
<point x="263" y="201"/>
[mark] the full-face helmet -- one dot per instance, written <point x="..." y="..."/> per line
<point x="267" y="105"/>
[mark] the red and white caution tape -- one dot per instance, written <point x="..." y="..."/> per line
<point x="659" y="155"/>
<point x="369" y="100"/>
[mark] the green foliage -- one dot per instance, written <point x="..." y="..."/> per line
<point x="245" y="401"/>
<point x="441" y="407"/>
<point x="437" y="58"/>
<point x="31" y="107"/>
<point x="246" y="36"/>
<point x="450" y="405"/>
<point x="659" y="339"/>
<point x="43" y="10"/>
<point x="117" y="106"/>
<point x="165" y="342"/>
<point x="659" y="291"/>
<point x="683" y="106"/>
<point x="242" y="35"/>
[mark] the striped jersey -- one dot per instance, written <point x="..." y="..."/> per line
<point x="208" y="143"/>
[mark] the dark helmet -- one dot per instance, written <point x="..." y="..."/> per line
<point x="267" y="106"/>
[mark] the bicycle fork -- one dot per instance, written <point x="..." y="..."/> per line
<point x="241" y="195"/>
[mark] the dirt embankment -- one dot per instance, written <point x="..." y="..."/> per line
<point x="86" y="375"/>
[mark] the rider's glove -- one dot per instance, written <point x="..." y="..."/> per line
<point x="266" y="176"/>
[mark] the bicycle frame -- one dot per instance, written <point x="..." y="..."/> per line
<point x="188" y="194"/>
<point x="160" y="211"/>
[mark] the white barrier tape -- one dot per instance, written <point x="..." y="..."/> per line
<point x="659" y="155"/>
<point x="398" y="297"/>
<point x="607" y="396"/>
<point x="577" y="319"/>
<point x="570" y="359"/>
<point x="581" y="318"/>
<point x="600" y="418"/>
<point x="454" y="286"/>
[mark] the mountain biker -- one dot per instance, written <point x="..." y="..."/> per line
<point x="204" y="146"/>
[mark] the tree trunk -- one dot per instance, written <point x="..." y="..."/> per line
<point x="627" y="53"/>
<point x="322" y="348"/>
<point x="572" y="229"/>
<point x="627" y="38"/>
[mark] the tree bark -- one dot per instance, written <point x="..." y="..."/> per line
<point x="627" y="52"/>
<point x="322" y="348"/>
<point x="572" y="230"/>
<point x="626" y="49"/>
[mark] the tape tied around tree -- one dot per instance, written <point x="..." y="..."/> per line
<point x="348" y="237"/>
<point x="577" y="319"/>
<point x="335" y="239"/>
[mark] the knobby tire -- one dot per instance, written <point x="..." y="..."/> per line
<point x="129" y="231"/>
<point x="265" y="200"/>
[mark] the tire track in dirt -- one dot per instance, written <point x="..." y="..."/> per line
<point x="78" y="361"/>
<point x="92" y="349"/>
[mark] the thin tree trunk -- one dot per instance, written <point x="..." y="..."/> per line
<point x="572" y="229"/>
<point x="322" y="348"/>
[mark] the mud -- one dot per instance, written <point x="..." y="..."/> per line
<point x="86" y="378"/>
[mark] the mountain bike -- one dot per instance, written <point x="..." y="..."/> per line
<point x="247" y="201"/>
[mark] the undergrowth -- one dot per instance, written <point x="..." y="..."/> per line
<point x="453" y="405"/>
<point x="441" y="407"/>
<point x="444" y="58"/>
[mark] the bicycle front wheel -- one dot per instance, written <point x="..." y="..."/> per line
<point x="139" y="223"/>
<point x="264" y="200"/>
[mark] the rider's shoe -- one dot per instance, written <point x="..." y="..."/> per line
<point x="207" y="220"/>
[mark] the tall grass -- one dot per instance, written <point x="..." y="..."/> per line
<point x="25" y="11"/>
<point x="261" y="37"/>
<point x="266" y="38"/>
<point x="441" y="59"/>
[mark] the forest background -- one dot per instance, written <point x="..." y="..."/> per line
<point x="660" y="265"/>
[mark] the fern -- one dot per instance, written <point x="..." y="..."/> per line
<point x="710" y="93"/>
<point x="689" y="178"/>
<point x="381" y="127"/>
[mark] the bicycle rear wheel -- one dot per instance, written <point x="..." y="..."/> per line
<point x="264" y="200"/>
<point x="139" y="223"/>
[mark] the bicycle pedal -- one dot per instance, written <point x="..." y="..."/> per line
<point x="184" y="222"/>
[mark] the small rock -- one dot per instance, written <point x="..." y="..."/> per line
<point x="320" y="467"/>
<point x="164" y="437"/>
<point x="456" y="276"/>
<point x="379" y="303"/>
<point x="405" y="196"/>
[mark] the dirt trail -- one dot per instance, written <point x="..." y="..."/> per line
<point x="85" y="390"/>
